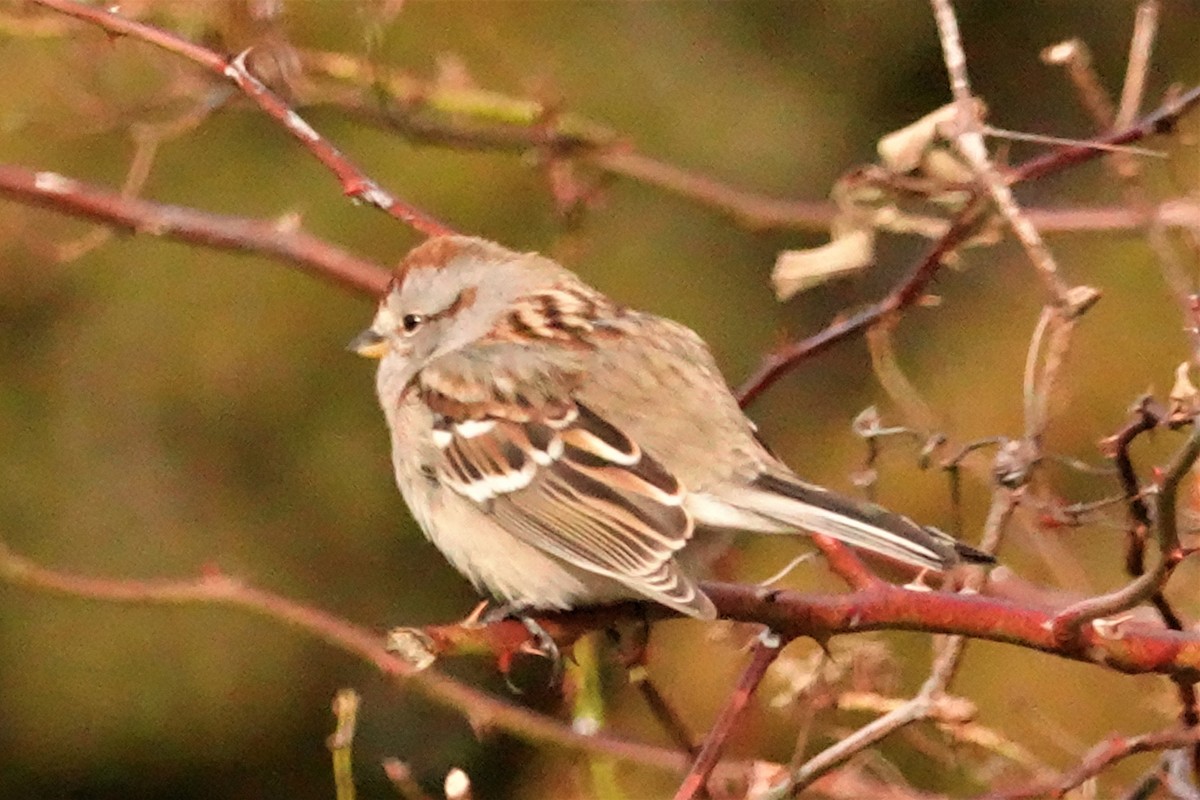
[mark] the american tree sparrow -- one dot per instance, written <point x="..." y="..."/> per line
<point x="562" y="450"/>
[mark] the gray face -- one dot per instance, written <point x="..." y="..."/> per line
<point x="416" y="319"/>
<point x="436" y="310"/>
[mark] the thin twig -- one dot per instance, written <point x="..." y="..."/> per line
<point x="147" y="138"/>
<point x="1146" y="417"/>
<point x="777" y="363"/>
<point x="1099" y="758"/>
<point x="1068" y="622"/>
<point x="765" y="650"/>
<point x="355" y="183"/>
<point x="281" y="240"/>
<point x="1161" y="120"/>
<point x="668" y="718"/>
<point x="971" y="143"/>
<point x="1141" y="46"/>
<point x="1074" y="56"/>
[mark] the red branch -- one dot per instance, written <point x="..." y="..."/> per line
<point x="1131" y="647"/>
<point x="482" y="710"/>
<point x="355" y="183"/>
<point x="766" y="649"/>
<point x="278" y="240"/>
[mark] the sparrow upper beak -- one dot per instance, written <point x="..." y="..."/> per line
<point x="369" y="344"/>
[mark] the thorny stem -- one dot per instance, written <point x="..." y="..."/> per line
<point x="1068" y="622"/>
<point x="355" y="183"/>
<point x="280" y="240"/>
<point x="765" y="650"/>
<point x="945" y="665"/>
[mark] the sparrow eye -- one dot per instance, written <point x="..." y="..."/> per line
<point x="410" y="322"/>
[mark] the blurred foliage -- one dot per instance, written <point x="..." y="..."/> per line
<point x="164" y="407"/>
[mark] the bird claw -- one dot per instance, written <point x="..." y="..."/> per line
<point x="543" y="643"/>
<point x="546" y="647"/>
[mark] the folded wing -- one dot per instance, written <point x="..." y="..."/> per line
<point x="559" y="477"/>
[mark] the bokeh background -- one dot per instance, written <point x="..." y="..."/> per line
<point x="166" y="407"/>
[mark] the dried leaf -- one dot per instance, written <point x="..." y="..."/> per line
<point x="798" y="270"/>
<point x="904" y="150"/>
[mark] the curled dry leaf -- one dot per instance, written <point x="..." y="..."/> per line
<point x="919" y="178"/>
<point x="905" y="149"/>
<point x="924" y="146"/>
<point x="798" y="270"/>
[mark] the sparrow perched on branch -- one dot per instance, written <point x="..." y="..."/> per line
<point x="562" y="450"/>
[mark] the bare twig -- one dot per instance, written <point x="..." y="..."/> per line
<point x="1099" y="758"/>
<point x="777" y="363"/>
<point x="1068" y="621"/>
<point x="1141" y="45"/>
<point x="147" y="138"/>
<point x="1146" y="417"/>
<point x="355" y="183"/>
<point x="281" y="240"/>
<point x="766" y="648"/>
<point x="1161" y="120"/>
<point x="669" y="719"/>
<point x="1075" y="57"/>
<point x="971" y="143"/>
<point x="633" y="658"/>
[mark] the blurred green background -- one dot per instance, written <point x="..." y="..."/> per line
<point x="166" y="407"/>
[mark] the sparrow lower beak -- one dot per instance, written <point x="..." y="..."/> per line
<point x="368" y="344"/>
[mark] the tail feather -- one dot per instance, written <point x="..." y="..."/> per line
<point x="795" y="504"/>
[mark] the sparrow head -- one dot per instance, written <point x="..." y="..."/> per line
<point x="455" y="291"/>
<point x="445" y="294"/>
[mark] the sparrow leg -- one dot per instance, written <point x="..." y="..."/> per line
<point x="546" y="646"/>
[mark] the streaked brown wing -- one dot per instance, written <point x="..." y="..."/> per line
<point x="562" y="479"/>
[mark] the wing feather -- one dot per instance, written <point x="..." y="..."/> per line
<point x="561" y="478"/>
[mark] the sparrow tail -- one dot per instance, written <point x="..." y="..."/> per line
<point x="787" y="500"/>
